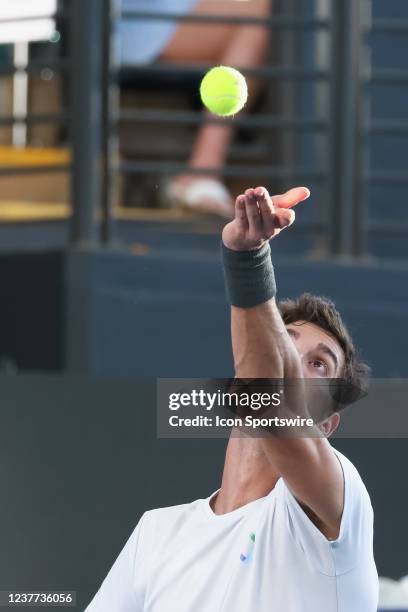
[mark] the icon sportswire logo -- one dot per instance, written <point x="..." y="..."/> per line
<point x="247" y="555"/>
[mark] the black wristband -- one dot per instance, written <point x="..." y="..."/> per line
<point x="249" y="276"/>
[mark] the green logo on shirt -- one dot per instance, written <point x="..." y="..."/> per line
<point x="247" y="555"/>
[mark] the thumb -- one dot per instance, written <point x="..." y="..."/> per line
<point x="291" y="197"/>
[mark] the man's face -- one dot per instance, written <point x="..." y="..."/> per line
<point x="321" y="357"/>
<point x="320" y="353"/>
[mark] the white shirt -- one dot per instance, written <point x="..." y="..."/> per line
<point x="266" y="556"/>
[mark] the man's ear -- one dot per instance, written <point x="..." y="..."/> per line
<point x="329" y="426"/>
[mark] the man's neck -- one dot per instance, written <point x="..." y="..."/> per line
<point x="247" y="476"/>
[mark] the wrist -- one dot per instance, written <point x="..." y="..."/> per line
<point x="238" y="247"/>
<point x="249" y="276"/>
<point x="237" y="243"/>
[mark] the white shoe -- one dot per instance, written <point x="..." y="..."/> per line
<point x="204" y="195"/>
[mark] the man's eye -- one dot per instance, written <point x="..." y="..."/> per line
<point x="319" y="365"/>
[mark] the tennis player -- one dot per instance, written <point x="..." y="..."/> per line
<point x="291" y="527"/>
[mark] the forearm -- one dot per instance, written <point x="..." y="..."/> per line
<point x="261" y="345"/>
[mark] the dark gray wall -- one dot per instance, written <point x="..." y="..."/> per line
<point x="31" y="310"/>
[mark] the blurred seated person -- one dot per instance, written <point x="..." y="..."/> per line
<point x="243" y="46"/>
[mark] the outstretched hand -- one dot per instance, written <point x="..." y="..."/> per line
<point x="260" y="217"/>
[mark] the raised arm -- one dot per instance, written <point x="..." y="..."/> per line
<point x="262" y="348"/>
<point x="261" y="345"/>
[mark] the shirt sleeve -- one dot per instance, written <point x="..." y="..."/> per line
<point x="118" y="591"/>
<point x="354" y="544"/>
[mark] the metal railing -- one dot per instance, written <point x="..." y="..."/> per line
<point x="344" y="173"/>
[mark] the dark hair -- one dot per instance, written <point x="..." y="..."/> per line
<point x="322" y="312"/>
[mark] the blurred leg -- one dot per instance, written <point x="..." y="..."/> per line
<point x="242" y="46"/>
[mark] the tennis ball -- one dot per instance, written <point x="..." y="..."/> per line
<point x="224" y="91"/>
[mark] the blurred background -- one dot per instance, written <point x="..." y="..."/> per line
<point x="109" y="246"/>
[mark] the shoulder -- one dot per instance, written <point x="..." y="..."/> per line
<point x="159" y="521"/>
<point x="159" y="528"/>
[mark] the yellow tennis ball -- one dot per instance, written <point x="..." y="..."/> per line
<point x="224" y="91"/>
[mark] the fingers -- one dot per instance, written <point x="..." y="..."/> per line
<point x="266" y="209"/>
<point x="273" y="217"/>
<point x="252" y="212"/>
<point x="240" y="212"/>
<point x="263" y="216"/>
